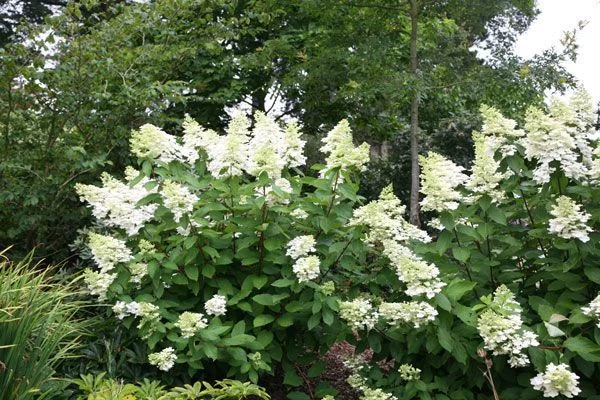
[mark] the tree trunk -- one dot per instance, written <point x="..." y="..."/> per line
<point x="414" y="118"/>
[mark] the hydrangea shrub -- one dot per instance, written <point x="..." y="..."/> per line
<point x="512" y="275"/>
<point x="228" y="259"/>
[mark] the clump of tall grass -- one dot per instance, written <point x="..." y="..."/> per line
<point x="38" y="327"/>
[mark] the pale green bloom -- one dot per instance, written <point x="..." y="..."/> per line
<point x="328" y="288"/>
<point x="341" y="151"/>
<point x="191" y="323"/>
<point x="569" y="220"/>
<point x="359" y="314"/>
<point x="416" y="313"/>
<point x="409" y="373"/>
<point x="420" y="277"/>
<point x="384" y="219"/>
<point x="152" y="142"/>
<point x="500" y="132"/>
<point x="196" y="137"/>
<point x="108" y="251"/>
<point x="138" y="272"/>
<point x="306" y="268"/>
<point x="98" y="282"/>
<point x="440" y="178"/>
<point x="229" y="154"/>
<point x="485" y="175"/>
<point x="178" y="199"/>
<point x="164" y="360"/>
<point x="502" y="330"/>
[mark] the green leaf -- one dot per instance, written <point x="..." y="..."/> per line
<point x="191" y="271"/>
<point x="445" y="339"/>
<point x="462" y="254"/>
<point x="285" y="320"/>
<point x="593" y="273"/>
<point x="264" y="299"/>
<point x="262" y="320"/>
<point x="443" y="302"/>
<point x="297" y="395"/>
<point x="584" y="348"/>
<point x="239" y="340"/>
<point x="316" y="369"/>
<point x="313" y="321"/>
<point x="458" y="288"/>
<point x="496" y="215"/>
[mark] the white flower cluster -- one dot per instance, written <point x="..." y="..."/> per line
<point x="190" y="323"/>
<point x="502" y="330"/>
<point x="564" y="136"/>
<point x="301" y="246"/>
<point x="146" y="311"/>
<point x="152" y="142"/>
<point x="359" y="383"/>
<point x="268" y="148"/>
<point x="485" y="176"/>
<point x="569" y="221"/>
<point x="115" y="202"/>
<point x="306" y="267"/>
<point x="98" y="282"/>
<point x="409" y="373"/>
<point x="178" y="199"/>
<point x="164" y="360"/>
<point x="216" y="305"/>
<point x="440" y="178"/>
<point x="387" y="227"/>
<point x="138" y="271"/>
<point x="341" y="151"/>
<point x="384" y="219"/>
<point x="108" y="251"/>
<point x="299" y="213"/>
<point x="557" y="380"/>
<point x="359" y="314"/>
<point x="593" y="310"/>
<point x="409" y="312"/>
<point x="420" y="277"/>
<point x="500" y="132"/>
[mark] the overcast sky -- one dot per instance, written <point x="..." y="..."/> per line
<point x="558" y="16"/>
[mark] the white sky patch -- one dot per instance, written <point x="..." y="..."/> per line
<point x="547" y="30"/>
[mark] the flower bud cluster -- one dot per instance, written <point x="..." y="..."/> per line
<point x="409" y="373"/>
<point x="190" y="323"/>
<point x="416" y="313"/>
<point x="502" y="330"/>
<point x="569" y="221"/>
<point x="440" y="178"/>
<point x="164" y="360"/>
<point x="557" y="380"/>
<point x="341" y="151"/>
<point x="359" y="314"/>
<point x="108" y="251"/>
